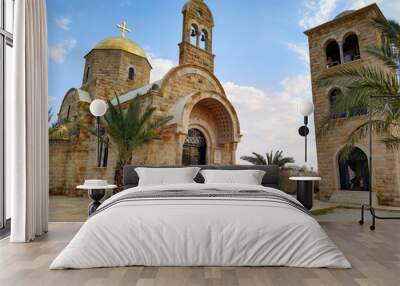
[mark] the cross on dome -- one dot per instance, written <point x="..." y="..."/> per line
<point x="124" y="28"/>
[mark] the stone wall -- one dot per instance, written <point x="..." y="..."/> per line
<point x="186" y="80"/>
<point x="386" y="163"/>
<point x="190" y="54"/>
<point x="197" y="14"/>
<point x="109" y="73"/>
<point x="57" y="164"/>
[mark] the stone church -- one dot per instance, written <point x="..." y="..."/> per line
<point x="205" y="128"/>
<point x="334" y="44"/>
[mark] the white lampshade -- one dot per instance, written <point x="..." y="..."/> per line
<point x="98" y="107"/>
<point x="306" y="108"/>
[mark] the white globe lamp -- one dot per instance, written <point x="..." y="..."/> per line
<point x="306" y="108"/>
<point x="98" y="107"/>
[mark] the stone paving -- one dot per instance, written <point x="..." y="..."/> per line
<point x="74" y="209"/>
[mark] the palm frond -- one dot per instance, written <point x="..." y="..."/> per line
<point x="346" y="152"/>
<point x="260" y="158"/>
<point x="391" y="142"/>
<point x="250" y="159"/>
<point x="385" y="54"/>
<point x="390" y="29"/>
<point x="373" y="77"/>
<point x="361" y="131"/>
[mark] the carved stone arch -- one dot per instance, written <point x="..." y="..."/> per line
<point x="72" y="102"/>
<point x="351" y="46"/>
<point x="210" y="139"/>
<point x="70" y="105"/>
<point x="347" y="33"/>
<point x="336" y="164"/>
<point x="195" y="4"/>
<point x="328" y="39"/>
<point x="193" y="25"/>
<point x="191" y="69"/>
<point x="332" y="98"/>
<point x="205" y="41"/>
<point x="332" y="52"/>
<point x="226" y="118"/>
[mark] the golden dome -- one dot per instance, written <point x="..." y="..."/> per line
<point x="121" y="43"/>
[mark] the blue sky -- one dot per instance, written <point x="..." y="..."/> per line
<point x="261" y="54"/>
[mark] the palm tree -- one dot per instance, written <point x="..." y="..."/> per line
<point x="272" y="158"/>
<point x="63" y="129"/>
<point x="361" y="85"/>
<point x="129" y="129"/>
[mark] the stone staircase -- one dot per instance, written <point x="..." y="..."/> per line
<point x="396" y="202"/>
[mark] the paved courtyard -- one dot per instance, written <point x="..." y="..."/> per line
<point x="74" y="209"/>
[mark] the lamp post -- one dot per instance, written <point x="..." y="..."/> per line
<point x="98" y="108"/>
<point x="306" y="108"/>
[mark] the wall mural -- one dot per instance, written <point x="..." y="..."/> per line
<point x="232" y="92"/>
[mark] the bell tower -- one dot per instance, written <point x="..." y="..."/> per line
<point x="196" y="45"/>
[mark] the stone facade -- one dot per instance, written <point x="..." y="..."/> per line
<point x="386" y="163"/>
<point x="190" y="92"/>
<point x="198" y="24"/>
<point x="108" y="72"/>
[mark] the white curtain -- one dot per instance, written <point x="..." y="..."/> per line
<point x="27" y="127"/>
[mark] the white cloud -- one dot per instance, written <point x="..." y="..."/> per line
<point x="269" y="120"/>
<point x="63" y="23"/>
<point x="301" y="51"/>
<point x="248" y="96"/>
<point x="391" y="8"/>
<point x="317" y="12"/>
<point x="59" y="51"/>
<point x="160" y="67"/>
<point x="357" y="4"/>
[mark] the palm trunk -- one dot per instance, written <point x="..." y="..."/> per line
<point x="119" y="175"/>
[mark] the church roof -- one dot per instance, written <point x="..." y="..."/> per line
<point x="84" y="96"/>
<point x="121" y="43"/>
<point x="133" y="93"/>
<point x="177" y="109"/>
<point x="346" y="14"/>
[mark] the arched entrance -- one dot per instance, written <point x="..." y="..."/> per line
<point x="194" y="148"/>
<point x="215" y="118"/>
<point x="354" y="171"/>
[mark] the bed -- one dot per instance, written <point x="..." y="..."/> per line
<point x="198" y="224"/>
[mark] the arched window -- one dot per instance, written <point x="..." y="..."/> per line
<point x="332" y="54"/>
<point x="354" y="171"/>
<point x="68" y="113"/>
<point x="87" y="73"/>
<point x="131" y="73"/>
<point x="351" y="49"/>
<point x="194" y="148"/>
<point x="194" y="35"/>
<point x="204" y="40"/>
<point x="333" y="97"/>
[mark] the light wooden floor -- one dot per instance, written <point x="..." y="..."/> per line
<point x="375" y="257"/>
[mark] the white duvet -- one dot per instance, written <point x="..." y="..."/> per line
<point x="200" y="232"/>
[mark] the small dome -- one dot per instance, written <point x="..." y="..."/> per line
<point x="344" y="13"/>
<point x="188" y="3"/>
<point x="121" y="43"/>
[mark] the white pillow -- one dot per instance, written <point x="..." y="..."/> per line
<point x="166" y="176"/>
<point x="247" y="177"/>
